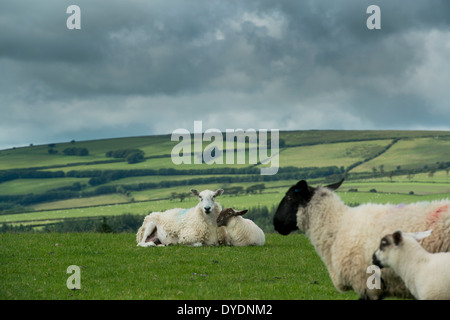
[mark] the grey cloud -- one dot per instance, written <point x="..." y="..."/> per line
<point x="143" y="67"/>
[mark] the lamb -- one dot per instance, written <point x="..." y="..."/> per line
<point x="426" y="275"/>
<point x="345" y="238"/>
<point x="239" y="231"/>
<point x="195" y="226"/>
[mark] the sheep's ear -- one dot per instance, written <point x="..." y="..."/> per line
<point x="301" y="186"/>
<point x="241" y="213"/>
<point x="302" y="190"/>
<point x="336" y="185"/>
<point x="397" y="236"/>
<point x="421" y="235"/>
<point x="195" y="192"/>
<point x="218" y="192"/>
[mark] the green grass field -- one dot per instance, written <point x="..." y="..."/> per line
<point x="411" y="153"/>
<point x="33" y="266"/>
<point x="333" y="154"/>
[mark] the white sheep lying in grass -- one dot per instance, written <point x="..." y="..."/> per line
<point x="426" y="275"/>
<point x="195" y="226"/>
<point x="239" y="231"/>
<point x="346" y="237"/>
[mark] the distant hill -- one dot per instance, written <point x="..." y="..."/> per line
<point x="133" y="168"/>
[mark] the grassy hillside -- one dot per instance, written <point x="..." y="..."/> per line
<point x="41" y="189"/>
<point x="329" y="154"/>
<point x="411" y="154"/>
<point x="112" y="267"/>
<point x="38" y="185"/>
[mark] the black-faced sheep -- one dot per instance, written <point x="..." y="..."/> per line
<point x="346" y="237"/>
<point x="195" y="226"/>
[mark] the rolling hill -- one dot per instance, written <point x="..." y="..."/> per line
<point x="100" y="177"/>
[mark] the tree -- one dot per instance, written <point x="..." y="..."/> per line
<point x="182" y="196"/>
<point x="374" y="170"/>
<point x="255" y="188"/>
<point x="235" y="190"/>
<point x="104" y="227"/>
<point x="135" y="157"/>
<point x="391" y="174"/>
<point x="76" y="151"/>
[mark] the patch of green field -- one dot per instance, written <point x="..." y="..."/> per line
<point x="295" y="138"/>
<point x="418" y="188"/>
<point x="82" y="202"/>
<point x="393" y="198"/>
<point x="38" y="156"/>
<point x="440" y="176"/>
<point x="334" y="154"/>
<point x="112" y="267"/>
<point x="410" y="154"/>
<point x="107" y="210"/>
<point x="36" y="186"/>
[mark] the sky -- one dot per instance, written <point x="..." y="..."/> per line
<point x="144" y="67"/>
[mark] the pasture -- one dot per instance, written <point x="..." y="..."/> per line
<point x="113" y="267"/>
<point x="381" y="167"/>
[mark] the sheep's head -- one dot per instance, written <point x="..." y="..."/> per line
<point x="226" y="214"/>
<point x="299" y="195"/>
<point x="392" y="243"/>
<point x="207" y="199"/>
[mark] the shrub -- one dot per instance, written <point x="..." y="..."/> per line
<point x="76" y="151"/>
<point x="131" y="155"/>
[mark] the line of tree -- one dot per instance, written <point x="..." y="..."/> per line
<point x="354" y="165"/>
<point x="8" y="175"/>
<point x="126" y="222"/>
<point x="130" y="155"/>
<point x="129" y="223"/>
<point x="16" y="203"/>
<point x="111" y="175"/>
<point x="233" y="190"/>
<point x="72" y="192"/>
<point x="76" y="151"/>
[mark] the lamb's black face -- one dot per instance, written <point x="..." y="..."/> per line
<point x="285" y="218"/>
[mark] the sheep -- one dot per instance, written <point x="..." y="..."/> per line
<point x="239" y="231"/>
<point x="426" y="275"/>
<point x="195" y="226"/>
<point x="345" y="237"/>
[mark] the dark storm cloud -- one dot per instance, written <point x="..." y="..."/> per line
<point x="143" y="67"/>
